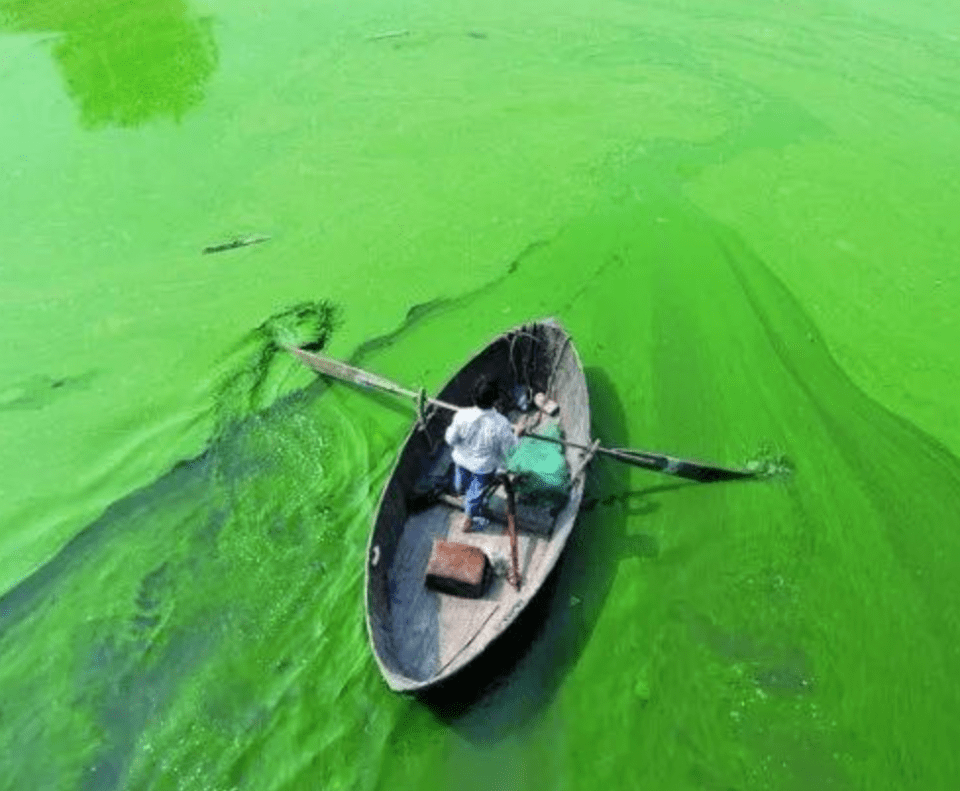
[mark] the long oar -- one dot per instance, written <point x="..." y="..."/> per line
<point x="660" y="462"/>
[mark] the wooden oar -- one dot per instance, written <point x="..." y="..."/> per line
<point x="660" y="462"/>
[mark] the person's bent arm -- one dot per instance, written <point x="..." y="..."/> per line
<point x="452" y="434"/>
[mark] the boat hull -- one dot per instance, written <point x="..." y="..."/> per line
<point x="419" y="637"/>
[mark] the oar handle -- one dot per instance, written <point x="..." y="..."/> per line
<point x="649" y="460"/>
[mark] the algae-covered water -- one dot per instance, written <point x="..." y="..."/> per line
<point x="744" y="213"/>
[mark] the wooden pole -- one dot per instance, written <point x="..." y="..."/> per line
<point x="514" y="576"/>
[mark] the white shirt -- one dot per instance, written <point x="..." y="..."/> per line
<point x="481" y="439"/>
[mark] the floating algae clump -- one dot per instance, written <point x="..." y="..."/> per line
<point x="770" y="463"/>
<point x="258" y="369"/>
<point x="307" y="325"/>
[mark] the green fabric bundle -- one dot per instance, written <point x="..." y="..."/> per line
<point x="543" y="465"/>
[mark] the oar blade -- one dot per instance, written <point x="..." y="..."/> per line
<point x="707" y="474"/>
<point x="681" y="468"/>
<point x="347" y="373"/>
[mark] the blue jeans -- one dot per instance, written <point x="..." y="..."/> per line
<point x="471" y="485"/>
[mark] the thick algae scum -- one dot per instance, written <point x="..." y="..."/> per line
<point x="743" y="215"/>
<point x="790" y="633"/>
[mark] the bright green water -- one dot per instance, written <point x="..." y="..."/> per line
<point x="744" y="213"/>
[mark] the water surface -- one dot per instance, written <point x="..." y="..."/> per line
<point x="744" y="215"/>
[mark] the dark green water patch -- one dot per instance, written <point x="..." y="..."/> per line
<point x="163" y="605"/>
<point x="40" y="390"/>
<point x="124" y="64"/>
<point x="152" y="602"/>
<point x="821" y="587"/>
<point x="778" y="669"/>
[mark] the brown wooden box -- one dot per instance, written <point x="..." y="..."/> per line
<point x="458" y="569"/>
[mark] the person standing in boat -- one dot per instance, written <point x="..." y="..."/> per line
<point x="481" y="439"/>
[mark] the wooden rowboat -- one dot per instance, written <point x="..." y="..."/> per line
<point x="421" y="637"/>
